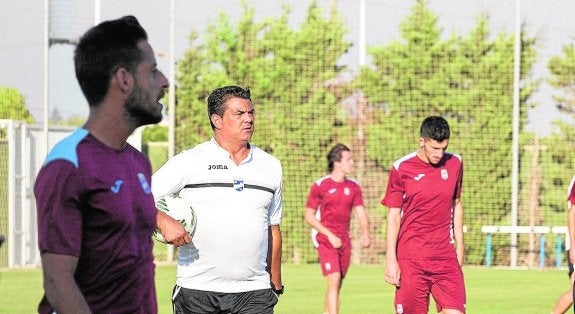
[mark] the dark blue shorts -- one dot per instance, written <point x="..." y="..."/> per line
<point x="190" y="301"/>
<point x="569" y="264"/>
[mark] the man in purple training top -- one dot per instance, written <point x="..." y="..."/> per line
<point x="424" y="220"/>
<point x="96" y="213"/>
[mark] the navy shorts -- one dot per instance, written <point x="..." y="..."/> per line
<point x="569" y="264"/>
<point x="190" y="301"/>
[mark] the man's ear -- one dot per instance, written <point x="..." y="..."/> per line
<point x="216" y="120"/>
<point x="123" y="80"/>
<point x="421" y="142"/>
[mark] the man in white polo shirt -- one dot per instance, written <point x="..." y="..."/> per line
<point x="235" y="189"/>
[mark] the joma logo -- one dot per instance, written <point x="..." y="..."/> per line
<point x="212" y="167"/>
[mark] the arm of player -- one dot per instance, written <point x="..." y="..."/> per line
<point x="172" y="230"/>
<point x="310" y="218"/>
<point x="458" y="230"/>
<point x="392" y="271"/>
<point x="571" y="229"/>
<point x="363" y="220"/>
<point x="274" y="260"/>
<point x="60" y="286"/>
<point x="171" y="178"/>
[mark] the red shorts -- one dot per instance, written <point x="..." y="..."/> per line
<point x="442" y="278"/>
<point x="333" y="260"/>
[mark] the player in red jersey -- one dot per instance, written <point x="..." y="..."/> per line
<point x="425" y="225"/>
<point x="571" y="227"/>
<point x="565" y="300"/>
<point x="332" y="198"/>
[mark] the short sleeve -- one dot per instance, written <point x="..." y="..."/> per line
<point x="395" y="190"/>
<point x="58" y="202"/>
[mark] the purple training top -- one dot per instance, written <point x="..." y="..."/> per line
<point x="95" y="203"/>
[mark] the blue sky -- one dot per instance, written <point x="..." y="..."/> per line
<point x="21" y="25"/>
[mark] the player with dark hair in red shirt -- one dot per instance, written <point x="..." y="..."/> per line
<point x="328" y="210"/>
<point x="425" y="225"/>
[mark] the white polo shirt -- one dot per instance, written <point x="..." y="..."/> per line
<point x="235" y="205"/>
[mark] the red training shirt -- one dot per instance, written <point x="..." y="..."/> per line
<point x="425" y="195"/>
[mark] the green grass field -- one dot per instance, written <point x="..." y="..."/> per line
<point x="489" y="290"/>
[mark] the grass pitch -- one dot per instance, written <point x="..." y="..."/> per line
<point x="489" y="290"/>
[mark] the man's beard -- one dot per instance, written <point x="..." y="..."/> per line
<point x="141" y="109"/>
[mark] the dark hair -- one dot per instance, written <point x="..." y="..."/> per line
<point x="104" y="49"/>
<point x="335" y="155"/>
<point x="217" y="99"/>
<point x="435" y="128"/>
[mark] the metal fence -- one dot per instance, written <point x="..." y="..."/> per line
<point x="25" y="147"/>
<point x="378" y="120"/>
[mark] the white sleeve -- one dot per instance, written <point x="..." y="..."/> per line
<point x="170" y="178"/>
<point x="275" y="209"/>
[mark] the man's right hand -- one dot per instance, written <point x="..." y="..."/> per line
<point x="172" y="230"/>
<point x="335" y="241"/>
<point x="392" y="273"/>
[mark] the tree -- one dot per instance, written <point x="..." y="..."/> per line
<point x="467" y="79"/>
<point x="562" y="70"/>
<point x="12" y="105"/>
<point x="287" y="70"/>
<point x="56" y="116"/>
<point x="560" y="153"/>
<point x="155" y="133"/>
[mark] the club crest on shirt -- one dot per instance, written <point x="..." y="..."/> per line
<point x="239" y="184"/>
<point x="346" y="191"/>
<point x="444" y="174"/>
<point x="144" y="183"/>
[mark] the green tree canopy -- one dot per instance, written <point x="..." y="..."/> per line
<point x="287" y="69"/>
<point x="560" y="146"/>
<point x="562" y="70"/>
<point x="468" y="79"/>
<point x="12" y="105"/>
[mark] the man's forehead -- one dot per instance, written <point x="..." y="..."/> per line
<point x="147" y="51"/>
<point x="436" y="143"/>
<point x="239" y="104"/>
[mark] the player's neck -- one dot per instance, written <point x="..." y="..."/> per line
<point x="113" y="135"/>
<point x="238" y="150"/>
<point x="337" y="176"/>
<point x="421" y="155"/>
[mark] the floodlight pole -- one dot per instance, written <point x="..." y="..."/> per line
<point x="515" y="142"/>
<point x="46" y="52"/>
<point x="172" y="80"/>
<point x="362" y="27"/>
<point x="97" y="11"/>
<point x="172" y="97"/>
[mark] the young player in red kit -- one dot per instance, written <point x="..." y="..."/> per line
<point x="565" y="300"/>
<point x="425" y="225"/>
<point x="571" y="227"/>
<point x="328" y="210"/>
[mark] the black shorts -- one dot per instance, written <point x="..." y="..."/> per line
<point x="189" y="301"/>
<point x="569" y="264"/>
